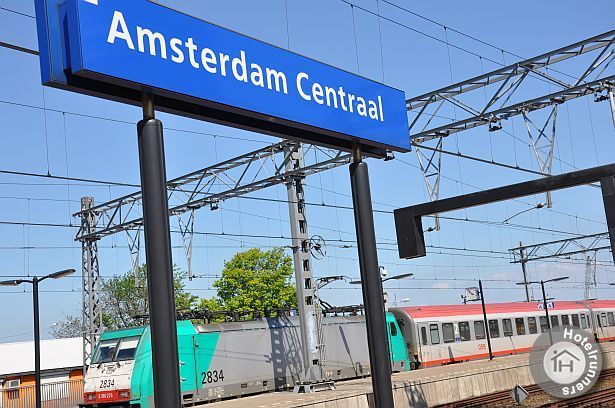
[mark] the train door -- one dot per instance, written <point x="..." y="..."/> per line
<point x="187" y="367"/>
<point x="429" y="341"/>
<point x="601" y="325"/>
<point x="423" y="342"/>
<point x="397" y="346"/>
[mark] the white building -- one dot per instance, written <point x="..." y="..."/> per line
<point x="61" y="370"/>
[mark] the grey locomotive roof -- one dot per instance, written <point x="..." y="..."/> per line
<point x="270" y="323"/>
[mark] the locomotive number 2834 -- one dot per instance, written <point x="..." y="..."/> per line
<point x="212" y="376"/>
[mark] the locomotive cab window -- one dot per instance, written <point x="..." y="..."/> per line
<point x="494" y="328"/>
<point x="464" y="331"/>
<point x="479" y="330"/>
<point x="520" y="326"/>
<point x="393" y="329"/>
<point x="507" y="327"/>
<point x="531" y="322"/>
<point x="448" y="333"/>
<point x="611" y="319"/>
<point x="434" y="333"/>
<point x="604" y="322"/>
<point x="127" y="349"/>
<point x="105" y="352"/>
<point x="424" y="336"/>
<point x="575" y="320"/>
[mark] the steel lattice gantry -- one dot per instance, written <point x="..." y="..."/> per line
<point x="491" y="98"/>
<point x="512" y="78"/>
<point x="561" y="248"/>
<point x="565" y="248"/>
<point x="285" y="162"/>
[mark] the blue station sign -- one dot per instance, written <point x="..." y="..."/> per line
<point x="118" y="49"/>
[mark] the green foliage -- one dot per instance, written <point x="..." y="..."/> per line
<point x="212" y="305"/>
<point x="253" y="280"/>
<point x="256" y="280"/>
<point x="125" y="305"/>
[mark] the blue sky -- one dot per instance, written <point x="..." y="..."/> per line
<point x="64" y="139"/>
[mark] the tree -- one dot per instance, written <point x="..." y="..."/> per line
<point x="72" y="326"/>
<point x="125" y="304"/>
<point x="255" y="280"/>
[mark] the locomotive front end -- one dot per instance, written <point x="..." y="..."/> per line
<point x="108" y="379"/>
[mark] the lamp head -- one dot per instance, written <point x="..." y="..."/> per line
<point x="11" y="283"/>
<point x="61" y="274"/>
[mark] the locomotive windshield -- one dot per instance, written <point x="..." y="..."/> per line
<point x="116" y="350"/>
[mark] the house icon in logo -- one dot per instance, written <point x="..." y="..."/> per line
<point x="563" y="359"/>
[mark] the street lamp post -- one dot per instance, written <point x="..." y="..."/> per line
<point x="37" y="335"/>
<point x="544" y="299"/>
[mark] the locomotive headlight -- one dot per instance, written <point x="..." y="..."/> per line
<point x="124" y="394"/>
<point x="89" y="396"/>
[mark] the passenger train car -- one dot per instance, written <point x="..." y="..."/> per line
<point x="226" y="360"/>
<point x="438" y="335"/>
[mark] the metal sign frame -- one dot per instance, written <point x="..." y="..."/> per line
<point x="240" y="81"/>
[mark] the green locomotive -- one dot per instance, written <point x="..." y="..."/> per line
<point x="224" y="360"/>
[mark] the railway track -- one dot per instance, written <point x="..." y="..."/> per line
<point x="600" y="398"/>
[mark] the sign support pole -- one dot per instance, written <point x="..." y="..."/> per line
<point x="163" y="326"/>
<point x="371" y="283"/>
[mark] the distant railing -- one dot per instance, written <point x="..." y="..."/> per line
<point x="65" y="394"/>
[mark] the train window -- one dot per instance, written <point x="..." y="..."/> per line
<point x="554" y="323"/>
<point x="565" y="321"/>
<point x="127" y="349"/>
<point x="531" y="322"/>
<point x="434" y="333"/>
<point x="494" y="328"/>
<point x="598" y="319"/>
<point x="448" y="333"/>
<point x="611" y="319"/>
<point x="575" y="320"/>
<point x="479" y="329"/>
<point x="106" y="352"/>
<point x="544" y="326"/>
<point x="507" y="327"/>
<point x="464" y="331"/>
<point x="393" y="329"/>
<point x="604" y="322"/>
<point x="424" y="335"/>
<point x="520" y="326"/>
<point x="583" y="321"/>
